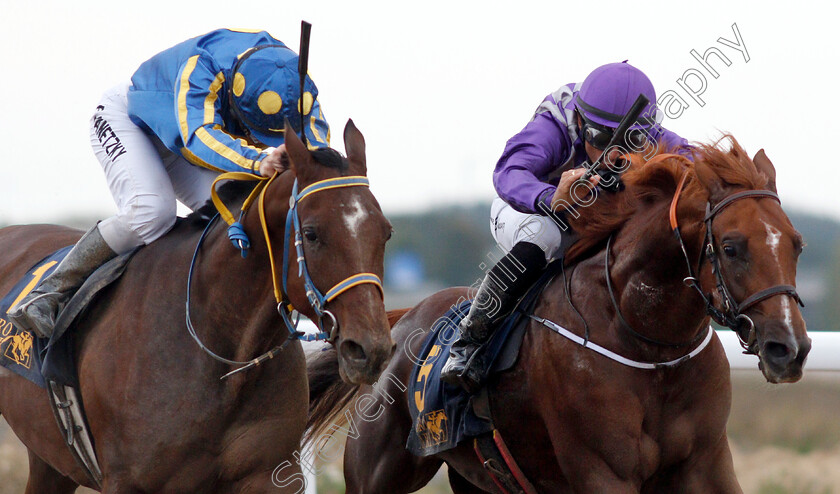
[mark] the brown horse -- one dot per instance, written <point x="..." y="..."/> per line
<point x="161" y="418"/>
<point x="575" y="420"/>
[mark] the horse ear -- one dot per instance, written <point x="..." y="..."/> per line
<point x="354" y="144"/>
<point x="710" y="180"/>
<point x="298" y="154"/>
<point x="763" y="164"/>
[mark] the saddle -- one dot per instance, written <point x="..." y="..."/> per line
<point x="51" y="363"/>
<point x="443" y="414"/>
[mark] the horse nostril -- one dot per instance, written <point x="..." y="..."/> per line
<point x="804" y="349"/>
<point x="777" y="351"/>
<point x="352" y="351"/>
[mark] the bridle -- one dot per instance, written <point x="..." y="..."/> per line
<point x="315" y="297"/>
<point x="732" y="314"/>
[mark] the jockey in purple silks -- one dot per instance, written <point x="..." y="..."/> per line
<point x="572" y="125"/>
<point x="214" y="103"/>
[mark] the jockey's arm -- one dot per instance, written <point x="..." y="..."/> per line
<point x="198" y="105"/>
<point x="534" y="152"/>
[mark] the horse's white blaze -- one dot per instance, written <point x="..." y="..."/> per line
<point x="788" y="317"/>
<point x="353" y="216"/>
<point x="773" y="237"/>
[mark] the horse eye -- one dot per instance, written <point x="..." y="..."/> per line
<point x="729" y="250"/>
<point x="310" y="235"/>
<point x="798" y="246"/>
<point x="390" y="234"/>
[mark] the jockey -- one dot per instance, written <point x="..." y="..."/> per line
<point x="215" y="103"/>
<point x="537" y="167"/>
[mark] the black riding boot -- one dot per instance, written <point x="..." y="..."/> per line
<point x="503" y="286"/>
<point x="38" y="311"/>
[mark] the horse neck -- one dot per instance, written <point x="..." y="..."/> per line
<point x="232" y="296"/>
<point x="648" y="269"/>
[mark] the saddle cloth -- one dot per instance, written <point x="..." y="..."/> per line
<point x="442" y="414"/>
<point x="38" y="358"/>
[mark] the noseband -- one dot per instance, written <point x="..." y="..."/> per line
<point x="732" y="314"/>
<point x="240" y="240"/>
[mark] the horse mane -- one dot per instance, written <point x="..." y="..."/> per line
<point x="235" y="191"/>
<point x="649" y="181"/>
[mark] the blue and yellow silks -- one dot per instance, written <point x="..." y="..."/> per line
<point x="181" y="96"/>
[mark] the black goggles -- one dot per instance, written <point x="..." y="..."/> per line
<point x="599" y="136"/>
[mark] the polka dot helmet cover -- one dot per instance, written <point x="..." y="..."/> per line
<point x="266" y="90"/>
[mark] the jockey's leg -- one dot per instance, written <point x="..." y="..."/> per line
<point x="530" y="240"/>
<point x="146" y="208"/>
<point x="494" y="300"/>
<point x="38" y="311"/>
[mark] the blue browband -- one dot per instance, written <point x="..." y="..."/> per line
<point x="240" y="240"/>
<point x="316" y="299"/>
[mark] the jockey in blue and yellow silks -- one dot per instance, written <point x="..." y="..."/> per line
<point x="214" y="103"/>
<point x="183" y="96"/>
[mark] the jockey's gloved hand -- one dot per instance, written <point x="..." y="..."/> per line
<point x="567" y="181"/>
<point x="276" y="161"/>
<point x="610" y="181"/>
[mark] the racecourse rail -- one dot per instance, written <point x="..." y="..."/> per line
<point x="824" y="356"/>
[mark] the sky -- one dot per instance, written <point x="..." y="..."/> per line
<point x="436" y="87"/>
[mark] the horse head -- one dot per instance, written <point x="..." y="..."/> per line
<point x="756" y="250"/>
<point x="342" y="233"/>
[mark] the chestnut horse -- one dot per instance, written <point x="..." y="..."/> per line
<point x="161" y="418"/>
<point x="576" y="421"/>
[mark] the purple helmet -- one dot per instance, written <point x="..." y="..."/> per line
<point x="609" y="92"/>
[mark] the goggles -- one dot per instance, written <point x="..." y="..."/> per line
<point x="599" y="136"/>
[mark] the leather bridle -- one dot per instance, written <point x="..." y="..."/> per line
<point x="732" y="314"/>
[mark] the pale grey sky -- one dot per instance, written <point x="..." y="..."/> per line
<point x="436" y="87"/>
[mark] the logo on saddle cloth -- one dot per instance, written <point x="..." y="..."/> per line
<point x="16" y="345"/>
<point x="432" y="428"/>
<point x="20" y="350"/>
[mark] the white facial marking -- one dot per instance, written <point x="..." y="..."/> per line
<point x="353" y="216"/>
<point x="773" y="237"/>
<point x="788" y="318"/>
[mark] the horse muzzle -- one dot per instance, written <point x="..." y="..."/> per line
<point x="363" y="362"/>
<point x="781" y="355"/>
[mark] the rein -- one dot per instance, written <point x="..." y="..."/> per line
<point x="732" y="315"/>
<point x="624" y="322"/>
<point x="237" y="235"/>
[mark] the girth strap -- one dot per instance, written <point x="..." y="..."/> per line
<point x="495" y="457"/>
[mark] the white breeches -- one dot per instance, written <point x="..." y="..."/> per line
<point x="145" y="178"/>
<point x="510" y="227"/>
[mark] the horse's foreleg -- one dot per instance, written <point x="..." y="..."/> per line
<point x="287" y="478"/>
<point x="460" y="485"/>
<point x="44" y="478"/>
<point x="709" y="472"/>
<point x="375" y="458"/>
